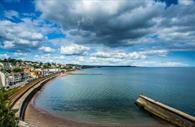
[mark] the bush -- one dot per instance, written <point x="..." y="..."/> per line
<point x="17" y="70"/>
<point x="7" y="117"/>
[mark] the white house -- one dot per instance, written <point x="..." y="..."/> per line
<point x="2" y="79"/>
<point x="54" y="70"/>
<point x="50" y="71"/>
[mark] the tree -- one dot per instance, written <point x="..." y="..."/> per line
<point x="12" y="61"/>
<point x="47" y="66"/>
<point x="7" y="117"/>
<point x="18" y="69"/>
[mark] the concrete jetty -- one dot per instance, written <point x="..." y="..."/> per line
<point x="165" y="112"/>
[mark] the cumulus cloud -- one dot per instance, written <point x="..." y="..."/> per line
<point x="11" y="14"/>
<point x="112" y="22"/>
<point x="17" y="55"/>
<point x="19" y="35"/>
<point x="118" y="55"/>
<point x="24" y="35"/>
<point x="101" y="32"/>
<point x="4" y="56"/>
<point x="185" y="2"/>
<point x="135" y="55"/>
<point x="160" y="52"/>
<point x="46" y="49"/>
<point x="74" y="49"/>
<point x="124" y="22"/>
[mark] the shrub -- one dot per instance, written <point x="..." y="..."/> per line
<point x="7" y="117"/>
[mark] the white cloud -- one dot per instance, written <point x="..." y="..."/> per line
<point x="31" y="35"/>
<point x="135" y="55"/>
<point x="112" y="57"/>
<point x="46" y="49"/>
<point x="185" y="2"/>
<point x="17" y="55"/>
<point x="174" y="33"/>
<point x="4" y="56"/>
<point x="160" y="52"/>
<point x="11" y="14"/>
<point x="104" y="19"/>
<point x="119" y="55"/>
<point x="132" y="32"/>
<point x="20" y="35"/>
<point x="8" y="44"/>
<point x="160" y="64"/>
<point x="74" y="49"/>
<point x="92" y="60"/>
<point x="101" y="54"/>
<point x="81" y="7"/>
<point x="124" y="22"/>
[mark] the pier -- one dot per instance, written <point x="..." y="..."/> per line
<point x="165" y="112"/>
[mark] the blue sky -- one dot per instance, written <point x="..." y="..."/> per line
<point x="113" y="32"/>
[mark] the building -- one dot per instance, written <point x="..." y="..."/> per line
<point x="27" y="70"/>
<point x="46" y="72"/>
<point x="34" y="73"/>
<point x="2" y="76"/>
<point x="37" y="73"/>
<point x="2" y="79"/>
<point x="50" y="71"/>
<point x="13" y="79"/>
<point x="54" y="70"/>
<point x="1" y="66"/>
<point x="7" y="66"/>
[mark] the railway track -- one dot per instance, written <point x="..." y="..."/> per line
<point x="19" y="92"/>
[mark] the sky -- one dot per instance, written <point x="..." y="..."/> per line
<point x="148" y="33"/>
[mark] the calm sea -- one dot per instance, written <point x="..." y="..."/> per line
<point x="108" y="94"/>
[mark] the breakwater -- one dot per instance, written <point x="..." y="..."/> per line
<point x="165" y="112"/>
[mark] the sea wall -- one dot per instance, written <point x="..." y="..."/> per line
<point x="165" y="112"/>
<point x="29" y="96"/>
<point x="21" y="105"/>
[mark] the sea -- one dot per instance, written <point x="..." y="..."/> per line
<point x="108" y="94"/>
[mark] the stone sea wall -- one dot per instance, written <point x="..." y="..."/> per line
<point x="165" y="112"/>
<point x="22" y="103"/>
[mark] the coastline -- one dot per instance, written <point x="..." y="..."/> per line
<point x="39" y="118"/>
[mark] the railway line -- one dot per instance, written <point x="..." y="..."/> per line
<point x="20" y="91"/>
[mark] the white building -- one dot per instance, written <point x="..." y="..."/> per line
<point x="2" y="79"/>
<point x="54" y="70"/>
<point x="1" y="66"/>
<point x="2" y="76"/>
<point x="50" y="71"/>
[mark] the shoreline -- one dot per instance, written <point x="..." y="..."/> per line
<point x="36" y="117"/>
